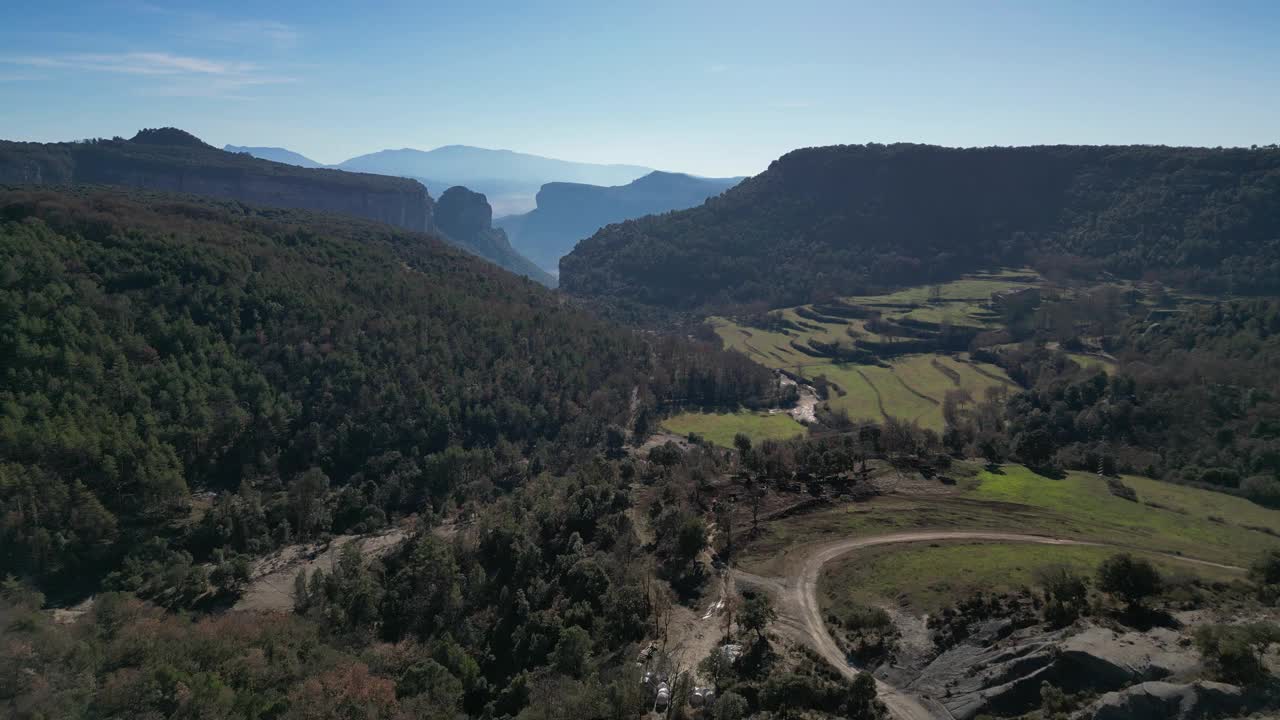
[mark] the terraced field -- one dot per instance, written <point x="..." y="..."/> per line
<point x="906" y="386"/>
<point x="911" y="387"/>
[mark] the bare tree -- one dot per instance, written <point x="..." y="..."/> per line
<point x="756" y="492"/>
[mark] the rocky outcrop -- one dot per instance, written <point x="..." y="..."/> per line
<point x="463" y="213"/>
<point x="1000" y="672"/>
<point x="1168" y="701"/>
<point x="466" y="217"/>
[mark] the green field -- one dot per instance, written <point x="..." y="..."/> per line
<point x="1191" y="522"/>
<point x="929" y="576"/>
<point x="720" y="428"/>
<point x="1187" y="520"/>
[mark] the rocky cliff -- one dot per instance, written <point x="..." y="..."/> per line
<point x="466" y="217"/>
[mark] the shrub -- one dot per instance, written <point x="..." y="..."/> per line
<point x="1262" y="490"/>
<point x="1224" y="477"/>
<point x="1128" y="578"/>
<point x="1233" y="653"/>
<point x="731" y="706"/>
<point x="1066" y="594"/>
<point x="1120" y="490"/>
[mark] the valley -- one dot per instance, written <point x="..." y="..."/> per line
<point x="617" y="361"/>
<point x="959" y="495"/>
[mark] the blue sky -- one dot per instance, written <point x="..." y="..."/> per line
<point x="715" y="88"/>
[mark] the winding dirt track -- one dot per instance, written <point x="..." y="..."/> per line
<point x="800" y="618"/>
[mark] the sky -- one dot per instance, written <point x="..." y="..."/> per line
<point x="700" y="86"/>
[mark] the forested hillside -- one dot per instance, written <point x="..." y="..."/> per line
<point x="1195" y="399"/>
<point x="840" y="220"/>
<point x="316" y="374"/>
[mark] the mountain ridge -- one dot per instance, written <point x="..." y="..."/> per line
<point x="172" y="160"/>
<point x="845" y="219"/>
<point x="275" y="154"/>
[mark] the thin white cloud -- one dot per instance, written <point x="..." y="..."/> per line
<point x="182" y="75"/>
<point x="200" y="25"/>
<point x="252" y="32"/>
<point x="136" y="63"/>
<point x="219" y="87"/>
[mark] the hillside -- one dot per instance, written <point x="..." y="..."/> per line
<point x="569" y="212"/>
<point x="315" y="374"/>
<point x="275" y="154"/>
<point x="171" y="160"/>
<point x="845" y="219"/>
<point x="509" y="179"/>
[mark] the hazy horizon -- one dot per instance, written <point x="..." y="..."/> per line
<point x="713" y="90"/>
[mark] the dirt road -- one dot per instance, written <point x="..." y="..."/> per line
<point x="800" y="617"/>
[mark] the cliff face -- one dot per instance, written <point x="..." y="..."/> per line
<point x="195" y="168"/>
<point x="409" y="207"/>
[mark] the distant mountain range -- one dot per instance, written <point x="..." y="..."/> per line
<point x="171" y="160"/>
<point x="509" y="179"/>
<point x="276" y="154"/>
<point x="568" y="212"/>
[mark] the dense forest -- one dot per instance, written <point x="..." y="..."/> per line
<point x="316" y="374"/>
<point x="441" y="629"/>
<point x="846" y="219"/>
<point x="1195" y="399"/>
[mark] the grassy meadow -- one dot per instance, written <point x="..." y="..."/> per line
<point x="720" y="428"/>
<point x="926" y="577"/>
<point x="1167" y="518"/>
